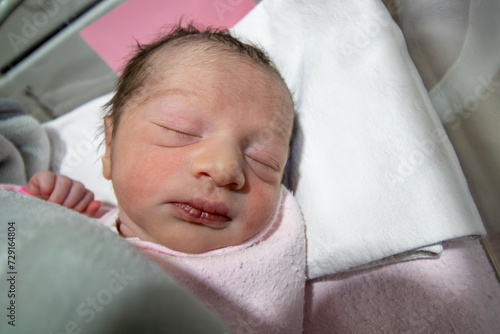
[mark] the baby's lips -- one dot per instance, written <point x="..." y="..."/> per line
<point x="193" y="214"/>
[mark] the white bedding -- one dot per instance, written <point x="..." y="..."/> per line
<point x="374" y="172"/>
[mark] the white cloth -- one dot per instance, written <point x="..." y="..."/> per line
<point x="376" y="176"/>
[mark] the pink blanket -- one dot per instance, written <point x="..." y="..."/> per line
<point x="457" y="293"/>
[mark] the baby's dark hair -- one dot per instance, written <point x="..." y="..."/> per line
<point x="140" y="70"/>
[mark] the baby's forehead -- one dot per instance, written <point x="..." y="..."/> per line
<point x="173" y="61"/>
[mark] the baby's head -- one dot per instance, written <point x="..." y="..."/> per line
<point x="197" y="138"/>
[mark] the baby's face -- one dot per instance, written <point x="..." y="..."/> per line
<point x="197" y="161"/>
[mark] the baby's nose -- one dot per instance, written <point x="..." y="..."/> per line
<point x="220" y="161"/>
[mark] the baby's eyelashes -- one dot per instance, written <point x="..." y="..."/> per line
<point x="266" y="163"/>
<point x="264" y="169"/>
<point x="183" y="134"/>
<point x="175" y="137"/>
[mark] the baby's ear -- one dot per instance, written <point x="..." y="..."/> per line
<point x="106" y="159"/>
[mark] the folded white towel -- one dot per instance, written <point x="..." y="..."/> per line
<point x="376" y="176"/>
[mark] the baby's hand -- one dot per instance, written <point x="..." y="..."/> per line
<point x="62" y="190"/>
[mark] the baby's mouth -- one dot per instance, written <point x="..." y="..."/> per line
<point x="199" y="211"/>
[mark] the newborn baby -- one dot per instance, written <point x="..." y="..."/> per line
<point x="197" y="138"/>
<point x="196" y="141"/>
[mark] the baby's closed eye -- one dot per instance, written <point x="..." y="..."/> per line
<point x="174" y="136"/>
<point x="261" y="161"/>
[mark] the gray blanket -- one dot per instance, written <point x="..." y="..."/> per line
<point x="62" y="272"/>
<point x="24" y="146"/>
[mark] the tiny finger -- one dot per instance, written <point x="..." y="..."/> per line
<point x="92" y="208"/>
<point x="82" y="204"/>
<point x="76" y="194"/>
<point x="61" y="190"/>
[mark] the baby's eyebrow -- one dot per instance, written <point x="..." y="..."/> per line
<point x="280" y="130"/>
<point x="167" y="93"/>
<point x="177" y="91"/>
<point x="271" y="138"/>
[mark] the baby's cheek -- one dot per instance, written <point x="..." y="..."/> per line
<point x="130" y="186"/>
<point x="261" y="209"/>
<point x="136" y="172"/>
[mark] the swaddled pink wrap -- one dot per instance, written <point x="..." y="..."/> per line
<point x="255" y="287"/>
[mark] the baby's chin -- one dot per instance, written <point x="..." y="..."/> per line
<point x="198" y="246"/>
<point x="202" y="243"/>
<point x="187" y="237"/>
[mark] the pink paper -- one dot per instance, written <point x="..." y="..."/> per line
<point x="114" y="36"/>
